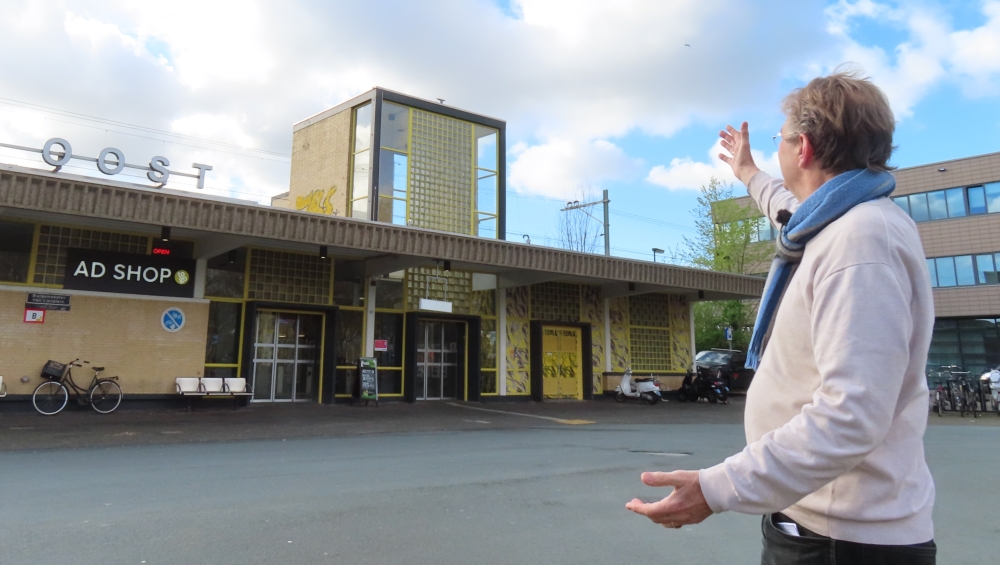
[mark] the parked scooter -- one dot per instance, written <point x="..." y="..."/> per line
<point x="697" y="384"/>
<point x="991" y="380"/>
<point x="646" y="389"/>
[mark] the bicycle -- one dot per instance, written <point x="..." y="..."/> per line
<point x="945" y="397"/>
<point x="104" y="395"/>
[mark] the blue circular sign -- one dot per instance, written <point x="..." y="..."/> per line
<point x="172" y="319"/>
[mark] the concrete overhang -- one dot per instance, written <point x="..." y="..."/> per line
<point x="220" y="224"/>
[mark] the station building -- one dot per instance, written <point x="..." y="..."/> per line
<point x="956" y="206"/>
<point x="390" y="243"/>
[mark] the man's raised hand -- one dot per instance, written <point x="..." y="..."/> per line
<point x="737" y="143"/>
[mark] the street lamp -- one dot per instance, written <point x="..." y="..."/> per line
<point x="655" y="251"/>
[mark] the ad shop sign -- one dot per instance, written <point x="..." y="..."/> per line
<point x="128" y="273"/>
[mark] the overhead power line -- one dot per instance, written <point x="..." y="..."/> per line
<point x="77" y="115"/>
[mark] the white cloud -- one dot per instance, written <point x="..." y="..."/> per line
<point x="934" y="52"/>
<point x="564" y="168"/>
<point x="569" y="76"/>
<point x="688" y="174"/>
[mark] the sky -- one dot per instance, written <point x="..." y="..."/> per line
<point x="623" y="95"/>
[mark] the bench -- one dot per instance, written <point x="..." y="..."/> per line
<point x="212" y="386"/>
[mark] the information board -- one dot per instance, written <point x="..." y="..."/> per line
<point x="47" y="301"/>
<point x="367" y="380"/>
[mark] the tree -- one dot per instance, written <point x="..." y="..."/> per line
<point x="726" y="241"/>
<point x="578" y="230"/>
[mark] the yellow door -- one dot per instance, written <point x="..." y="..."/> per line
<point x="562" y="371"/>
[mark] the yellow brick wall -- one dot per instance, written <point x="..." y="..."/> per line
<point x="320" y="163"/>
<point x="122" y="334"/>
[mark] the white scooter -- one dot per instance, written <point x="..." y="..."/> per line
<point x="992" y="377"/>
<point x="646" y="389"/>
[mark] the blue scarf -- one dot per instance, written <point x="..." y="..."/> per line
<point x="829" y="202"/>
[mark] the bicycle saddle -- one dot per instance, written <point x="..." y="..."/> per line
<point x="98" y="369"/>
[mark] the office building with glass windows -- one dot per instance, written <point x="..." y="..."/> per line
<point x="956" y="205"/>
<point x="390" y="243"/>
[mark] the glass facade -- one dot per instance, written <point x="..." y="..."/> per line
<point x="973" y="344"/>
<point x="951" y="203"/>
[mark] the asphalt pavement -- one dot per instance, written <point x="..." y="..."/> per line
<point x="437" y="482"/>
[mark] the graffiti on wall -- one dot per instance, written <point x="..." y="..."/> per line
<point x="319" y="201"/>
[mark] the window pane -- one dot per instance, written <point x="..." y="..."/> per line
<point x="389" y="293"/>
<point x="225" y="274"/>
<point x="944" y="348"/>
<point x="359" y="209"/>
<point x="956" y="202"/>
<point x="486" y="148"/>
<point x="487" y="226"/>
<point x="15" y="251"/>
<point x="362" y="172"/>
<point x="348" y="283"/>
<point x="390" y="328"/>
<point x="349" y="334"/>
<point x="488" y="344"/>
<point x="984" y="265"/>
<point x="394" y="131"/>
<point x="966" y="275"/>
<point x="946" y="271"/>
<point x="903" y="202"/>
<point x="392" y="210"/>
<point x="918" y="207"/>
<point x="993" y="197"/>
<point x="937" y="204"/>
<point x="977" y="200"/>
<point x="392" y="174"/>
<point x="362" y="127"/>
<point x="486" y="193"/>
<point x="932" y="269"/>
<point x="995" y="277"/>
<point x="224" y="322"/>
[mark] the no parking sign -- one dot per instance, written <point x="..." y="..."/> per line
<point x="172" y="319"/>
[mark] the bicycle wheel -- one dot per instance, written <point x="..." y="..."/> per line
<point x="50" y="398"/>
<point x="105" y="396"/>
<point x="939" y="400"/>
<point x="973" y="401"/>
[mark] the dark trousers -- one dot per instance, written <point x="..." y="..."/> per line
<point x="810" y="548"/>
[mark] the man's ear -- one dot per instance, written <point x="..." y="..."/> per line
<point x="806" y="156"/>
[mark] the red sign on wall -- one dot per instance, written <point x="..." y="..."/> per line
<point x="34" y="316"/>
<point x="381" y="345"/>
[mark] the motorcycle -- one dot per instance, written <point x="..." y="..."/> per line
<point x="699" y="385"/>
<point x="646" y="389"/>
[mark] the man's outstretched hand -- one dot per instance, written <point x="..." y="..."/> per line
<point x="737" y="142"/>
<point x="685" y="505"/>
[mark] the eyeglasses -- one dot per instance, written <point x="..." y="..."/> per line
<point x="778" y="136"/>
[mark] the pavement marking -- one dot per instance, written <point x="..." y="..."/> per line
<point x="557" y="420"/>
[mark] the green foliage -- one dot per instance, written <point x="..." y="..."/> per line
<point x="726" y="241"/>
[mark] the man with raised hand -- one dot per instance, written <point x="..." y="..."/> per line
<point x="836" y="413"/>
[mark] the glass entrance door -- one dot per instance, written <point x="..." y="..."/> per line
<point x="286" y="357"/>
<point x="438" y="359"/>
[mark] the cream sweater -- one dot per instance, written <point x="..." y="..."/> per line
<point x="835" y="416"/>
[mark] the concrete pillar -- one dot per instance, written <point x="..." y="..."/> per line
<point x="200" y="274"/>
<point x="501" y="341"/>
<point x="694" y="349"/>
<point x="370" y="318"/>
<point x="607" y="335"/>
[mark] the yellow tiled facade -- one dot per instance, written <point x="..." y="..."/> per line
<point x="122" y="334"/>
